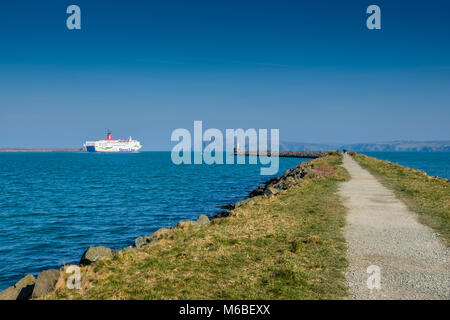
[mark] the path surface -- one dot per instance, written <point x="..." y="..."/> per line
<point x="382" y="231"/>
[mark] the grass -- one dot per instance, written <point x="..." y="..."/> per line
<point x="428" y="196"/>
<point x="286" y="247"/>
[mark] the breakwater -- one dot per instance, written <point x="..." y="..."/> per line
<point x="41" y="150"/>
<point x="46" y="280"/>
<point x="54" y="199"/>
<point x="284" y="154"/>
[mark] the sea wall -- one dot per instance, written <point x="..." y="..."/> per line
<point x="41" y="150"/>
<point x="46" y="282"/>
<point x="284" y="154"/>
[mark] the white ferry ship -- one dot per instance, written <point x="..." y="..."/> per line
<point x="110" y="145"/>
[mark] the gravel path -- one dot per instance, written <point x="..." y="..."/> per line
<point x="382" y="231"/>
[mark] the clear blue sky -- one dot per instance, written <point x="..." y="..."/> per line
<point x="144" y="68"/>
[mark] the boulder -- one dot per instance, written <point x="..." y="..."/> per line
<point x="228" y="206"/>
<point x="272" y="181"/>
<point x="155" y="236"/>
<point x="257" y="192"/>
<point x="160" y="233"/>
<point x="280" y="185"/>
<point x="202" y="219"/>
<point x="222" y="214"/>
<point x="140" y="242"/>
<point x="128" y="249"/>
<point x="289" y="182"/>
<point x="92" y="254"/>
<point x="184" y="224"/>
<point x="243" y="202"/>
<point x="22" y="290"/>
<point x="45" y="282"/>
<point x="271" y="191"/>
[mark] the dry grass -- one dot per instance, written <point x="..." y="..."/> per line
<point x="323" y="171"/>
<point x="286" y="247"/>
<point x="428" y="196"/>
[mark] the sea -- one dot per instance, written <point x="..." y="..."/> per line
<point x="433" y="163"/>
<point x="53" y="206"/>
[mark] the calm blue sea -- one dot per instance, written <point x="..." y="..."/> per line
<point x="54" y="205"/>
<point x="433" y="163"/>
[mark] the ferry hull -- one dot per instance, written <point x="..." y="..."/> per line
<point x="99" y="150"/>
<point x="113" y="146"/>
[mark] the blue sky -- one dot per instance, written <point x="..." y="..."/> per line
<point x="144" y="68"/>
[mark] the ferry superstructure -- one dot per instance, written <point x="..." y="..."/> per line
<point x="112" y="146"/>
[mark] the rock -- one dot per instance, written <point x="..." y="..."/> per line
<point x="290" y="181"/>
<point x="92" y="254"/>
<point x="140" y="242"/>
<point x="155" y="236"/>
<point x="280" y="185"/>
<point x="243" y="202"/>
<point x="227" y="207"/>
<point x="271" y="181"/>
<point x="202" y="219"/>
<point x="128" y="249"/>
<point x="222" y="214"/>
<point x="22" y="290"/>
<point x="271" y="191"/>
<point x="257" y="192"/>
<point x="160" y="233"/>
<point x="45" y="282"/>
<point x="184" y="224"/>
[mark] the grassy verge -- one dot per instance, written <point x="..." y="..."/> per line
<point x="290" y="246"/>
<point x="428" y="196"/>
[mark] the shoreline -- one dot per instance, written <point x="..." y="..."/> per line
<point x="268" y="188"/>
<point x="206" y="254"/>
<point x="284" y="154"/>
<point x="21" y="150"/>
<point x="272" y="187"/>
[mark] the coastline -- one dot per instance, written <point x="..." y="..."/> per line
<point x="263" y="195"/>
<point x="424" y="194"/>
<point x="284" y="154"/>
<point x="8" y="150"/>
<point x="269" y="188"/>
<point x="199" y="255"/>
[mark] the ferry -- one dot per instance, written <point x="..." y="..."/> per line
<point x="112" y="146"/>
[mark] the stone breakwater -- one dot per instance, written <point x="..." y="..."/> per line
<point x="277" y="185"/>
<point x="46" y="282"/>
<point x="286" y="154"/>
<point x="41" y="150"/>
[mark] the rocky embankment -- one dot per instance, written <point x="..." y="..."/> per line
<point x="46" y="282"/>
<point x="41" y="150"/>
<point x="286" y="154"/>
<point x="277" y="185"/>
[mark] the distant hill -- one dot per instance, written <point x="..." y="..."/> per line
<point x="295" y="146"/>
<point x="41" y="149"/>
<point x="417" y="146"/>
<point x="302" y="146"/>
